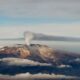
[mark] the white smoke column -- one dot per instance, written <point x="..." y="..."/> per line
<point x="28" y="37"/>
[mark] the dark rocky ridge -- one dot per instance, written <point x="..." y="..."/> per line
<point x="40" y="53"/>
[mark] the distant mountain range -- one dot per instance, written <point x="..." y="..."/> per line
<point x="44" y="37"/>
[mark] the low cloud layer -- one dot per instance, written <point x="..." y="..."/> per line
<point x="27" y="75"/>
<point x="37" y="76"/>
<point x="22" y="62"/>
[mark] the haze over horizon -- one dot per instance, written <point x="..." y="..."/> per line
<point x="50" y="17"/>
<point x="39" y="39"/>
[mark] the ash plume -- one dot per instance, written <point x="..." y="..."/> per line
<point x="28" y="36"/>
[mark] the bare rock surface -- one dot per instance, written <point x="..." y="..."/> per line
<point x="37" y="52"/>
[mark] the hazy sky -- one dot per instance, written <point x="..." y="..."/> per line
<point x="53" y="17"/>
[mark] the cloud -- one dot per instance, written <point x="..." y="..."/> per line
<point x="36" y="76"/>
<point x="64" y="66"/>
<point x="77" y="60"/>
<point x="22" y="62"/>
<point x="40" y="8"/>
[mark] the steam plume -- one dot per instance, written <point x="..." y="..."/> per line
<point x="28" y="37"/>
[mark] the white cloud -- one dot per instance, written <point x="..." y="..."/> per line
<point x="64" y="66"/>
<point x="22" y="62"/>
<point x="37" y="76"/>
<point x="76" y="60"/>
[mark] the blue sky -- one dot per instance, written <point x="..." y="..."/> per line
<point x="38" y="20"/>
<point x="53" y="17"/>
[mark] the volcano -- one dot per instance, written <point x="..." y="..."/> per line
<point x="36" y="58"/>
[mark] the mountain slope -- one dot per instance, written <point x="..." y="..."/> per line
<point x="40" y="53"/>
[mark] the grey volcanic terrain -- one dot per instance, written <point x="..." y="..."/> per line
<point x="36" y="60"/>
